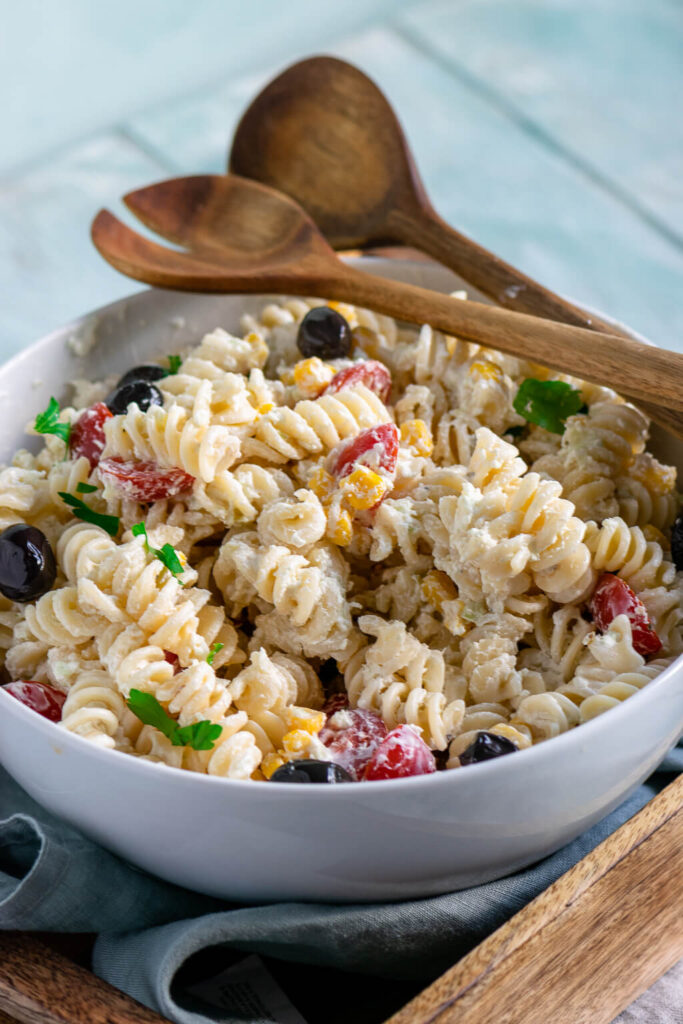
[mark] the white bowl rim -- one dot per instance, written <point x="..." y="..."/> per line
<point x="538" y="751"/>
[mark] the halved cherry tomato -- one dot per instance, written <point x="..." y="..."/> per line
<point x="612" y="597"/>
<point x="87" y="434"/>
<point x="373" y="374"/>
<point x="376" y="447"/>
<point x="403" y="753"/>
<point x="144" y="481"/>
<point x="39" y="697"/>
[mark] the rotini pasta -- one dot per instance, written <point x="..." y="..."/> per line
<point x="298" y="533"/>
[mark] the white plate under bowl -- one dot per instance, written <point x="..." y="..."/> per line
<point x="249" y="841"/>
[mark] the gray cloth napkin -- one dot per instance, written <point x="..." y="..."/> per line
<point x="183" y="954"/>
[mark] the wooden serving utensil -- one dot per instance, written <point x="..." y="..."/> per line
<point x="325" y="134"/>
<point x="241" y="236"/>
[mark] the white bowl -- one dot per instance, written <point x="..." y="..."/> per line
<point x="248" y="841"/>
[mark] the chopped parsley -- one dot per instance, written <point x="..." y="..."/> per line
<point x="213" y="652"/>
<point x="174" y="363"/>
<point x="199" y="735"/>
<point x="548" y="403"/>
<point x="47" y="422"/>
<point x="166" y="554"/>
<point x="85" y="488"/>
<point x="87" y="514"/>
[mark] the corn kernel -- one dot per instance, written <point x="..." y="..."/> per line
<point x="363" y="488"/>
<point x="416" y="433"/>
<point x="437" y="587"/>
<point x="312" y="376"/>
<point x="488" y="371"/>
<point x="516" y="732"/>
<point x="265" y="407"/>
<point x="451" y="344"/>
<point x="296" y="742"/>
<point x="653" y="475"/>
<point x="260" y="349"/>
<point x="322" y="484"/>
<point x="271" y="763"/>
<point x="340" y="528"/>
<point x="308" y="719"/>
<point x="343" y="308"/>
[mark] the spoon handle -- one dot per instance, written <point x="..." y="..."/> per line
<point x="500" y="281"/>
<point x="640" y="371"/>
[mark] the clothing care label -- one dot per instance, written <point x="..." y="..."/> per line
<point x="249" y="991"/>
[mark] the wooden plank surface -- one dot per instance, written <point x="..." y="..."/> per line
<point x="40" y="986"/>
<point x="586" y="947"/>
<point x="601" y="81"/>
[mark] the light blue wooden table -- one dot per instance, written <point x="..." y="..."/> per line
<point x="550" y="130"/>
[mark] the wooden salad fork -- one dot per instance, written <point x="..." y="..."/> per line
<point x="326" y="135"/>
<point x="241" y="236"/>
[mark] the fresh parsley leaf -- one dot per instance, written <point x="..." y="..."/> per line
<point x="89" y="515"/>
<point x="166" y="554"/>
<point x="85" y="488"/>
<point x="47" y="422"/>
<point x="174" y="363"/>
<point x="213" y="652"/>
<point x="199" y="735"/>
<point x="548" y="403"/>
<point x="169" y="556"/>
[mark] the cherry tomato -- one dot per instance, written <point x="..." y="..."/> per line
<point x="87" y="433"/>
<point x="401" y="754"/>
<point x="374" y="375"/>
<point x="38" y="697"/>
<point x="376" y="447"/>
<point x="144" y="481"/>
<point x="352" y="738"/>
<point x="612" y="597"/>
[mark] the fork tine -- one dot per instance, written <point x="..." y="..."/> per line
<point x="173" y="208"/>
<point x="139" y="257"/>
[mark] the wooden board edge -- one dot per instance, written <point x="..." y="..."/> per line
<point x="659" y="825"/>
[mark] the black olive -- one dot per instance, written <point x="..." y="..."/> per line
<point x="677" y="543"/>
<point x="149" y="372"/>
<point x="141" y="392"/>
<point x="27" y="564"/>
<point x="311" y="771"/>
<point x="324" y="333"/>
<point x="486" y="746"/>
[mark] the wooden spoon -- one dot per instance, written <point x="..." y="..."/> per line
<point x="325" y="134"/>
<point x="245" y="237"/>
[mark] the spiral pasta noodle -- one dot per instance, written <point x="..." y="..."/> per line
<point x="450" y="586"/>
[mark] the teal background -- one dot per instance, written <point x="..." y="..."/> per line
<point x="549" y="130"/>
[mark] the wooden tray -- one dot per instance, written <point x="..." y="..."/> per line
<point x="577" y="954"/>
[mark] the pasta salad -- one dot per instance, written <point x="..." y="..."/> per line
<point x="337" y="548"/>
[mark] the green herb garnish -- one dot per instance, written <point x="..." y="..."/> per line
<point x="89" y="515"/>
<point x="166" y="554"/>
<point x="213" y="652"/>
<point x="85" y="488"/>
<point x="548" y="403"/>
<point x="174" y="363"/>
<point x="199" y="735"/>
<point x="47" y="422"/>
